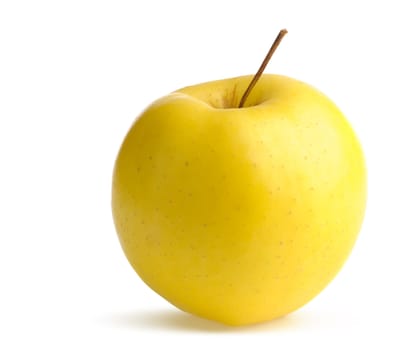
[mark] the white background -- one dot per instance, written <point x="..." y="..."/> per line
<point x="73" y="77"/>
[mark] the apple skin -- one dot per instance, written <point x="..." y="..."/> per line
<point x="239" y="215"/>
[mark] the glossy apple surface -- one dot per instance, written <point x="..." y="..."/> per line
<point x="239" y="215"/>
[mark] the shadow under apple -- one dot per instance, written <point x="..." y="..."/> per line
<point x="176" y="320"/>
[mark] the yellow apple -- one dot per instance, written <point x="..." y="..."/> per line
<point x="239" y="215"/>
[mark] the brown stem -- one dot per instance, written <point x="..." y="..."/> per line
<point x="264" y="63"/>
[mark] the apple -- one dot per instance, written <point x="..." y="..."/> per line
<point x="239" y="215"/>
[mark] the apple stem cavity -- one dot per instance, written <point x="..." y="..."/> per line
<point x="264" y="63"/>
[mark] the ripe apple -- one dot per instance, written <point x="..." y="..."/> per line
<point x="239" y="215"/>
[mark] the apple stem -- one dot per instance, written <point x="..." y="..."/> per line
<point x="264" y="63"/>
